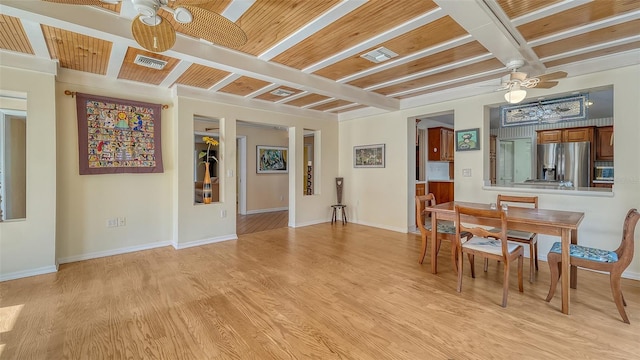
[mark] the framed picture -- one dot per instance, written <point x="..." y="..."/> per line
<point x="271" y="159"/>
<point x="468" y="139"/>
<point x="368" y="156"/>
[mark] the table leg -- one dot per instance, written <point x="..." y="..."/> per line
<point x="574" y="269"/>
<point x="566" y="265"/>
<point x="434" y="245"/>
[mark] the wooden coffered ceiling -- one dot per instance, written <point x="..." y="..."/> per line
<point x="303" y="54"/>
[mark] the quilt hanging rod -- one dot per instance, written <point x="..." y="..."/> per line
<point x="73" y="94"/>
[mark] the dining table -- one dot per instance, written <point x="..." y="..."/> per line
<point x="542" y="221"/>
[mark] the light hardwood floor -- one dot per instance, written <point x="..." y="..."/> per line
<point x="247" y="224"/>
<point x="322" y="292"/>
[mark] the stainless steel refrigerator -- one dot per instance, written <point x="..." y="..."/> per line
<point x="565" y="162"/>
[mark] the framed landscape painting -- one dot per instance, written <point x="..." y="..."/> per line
<point x="368" y="156"/>
<point x="271" y="159"/>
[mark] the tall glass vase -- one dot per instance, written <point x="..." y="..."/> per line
<point x="207" y="193"/>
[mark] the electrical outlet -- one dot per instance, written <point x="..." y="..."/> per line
<point x="223" y="213"/>
<point x="113" y="222"/>
<point x="122" y="221"/>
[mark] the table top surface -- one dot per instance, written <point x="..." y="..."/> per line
<point x="560" y="218"/>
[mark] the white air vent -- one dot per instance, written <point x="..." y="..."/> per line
<point x="150" y="62"/>
<point x="282" y="92"/>
<point x="379" y="55"/>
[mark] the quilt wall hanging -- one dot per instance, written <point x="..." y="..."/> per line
<point x="118" y="136"/>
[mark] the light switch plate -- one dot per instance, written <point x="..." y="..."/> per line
<point x="466" y="172"/>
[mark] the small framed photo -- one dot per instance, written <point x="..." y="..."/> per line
<point x="271" y="159"/>
<point x="468" y="139"/>
<point x="368" y="156"/>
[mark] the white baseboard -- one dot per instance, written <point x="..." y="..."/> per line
<point x="260" y="211"/>
<point x="189" y="244"/>
<point x="392" y="228"/>
<point x="309" y="223"/>
<point x="100" y="254"/>
<point x="27" y="273"/>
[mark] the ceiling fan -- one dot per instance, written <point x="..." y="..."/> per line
<point x="155" y="33"/>
<point x="518" y="81"/>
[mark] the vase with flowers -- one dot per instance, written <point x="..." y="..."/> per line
<point x="207" y="193"/>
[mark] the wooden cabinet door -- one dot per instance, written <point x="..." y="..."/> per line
<point x="449" y="143"/>
<point x="604" y="143"/>
<point x="578" y="134"/>
<point x="443" y="191"/>
<point x="433" y="138"/>
<point x="550" y="136"/>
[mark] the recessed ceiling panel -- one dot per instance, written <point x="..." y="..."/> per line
<point x="201" y="76"/>
<point x="589" y="55"/>
<point x="515" y="9"/>
<point x="456" y="54"/>
<point x="363" y="23"/>
<point x="77" y="51"/>
<point x="244" y="86"/>
<point x="131" y="71"/>
<point x="12" y="35"/>
<point x="468" y="70"/>
<point x="453" y="85"/>
<point x="331" y="105"/>
<point x="605" y="35"/>
<point x="306" y="100"/>
<point x="578" y="16"/>
<point x="426" y="36"/>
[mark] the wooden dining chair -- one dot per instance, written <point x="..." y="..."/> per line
<point x="524" y="237"/>
<point x="613" y="262"/>
<point x="487" y="244"/>
<point x="446" y="229"/>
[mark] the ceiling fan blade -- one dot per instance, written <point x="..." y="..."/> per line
<point x="552" y="76"/>
<point x="77" y="2"/>
<point x="546" y="84"/>
<point x="173" y="3"/>
<point x="157" y="38"/>
<point x="214" y="27"/>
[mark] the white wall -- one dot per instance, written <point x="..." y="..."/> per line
<point x="383" y="193"/>
<point x="85" y="202"/>
<point x="195" y="224"/>
<point x="27" y="246"/>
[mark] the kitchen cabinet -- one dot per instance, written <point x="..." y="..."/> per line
<point x="442" y="190"/>
<point x="440" y="143"/>
<point x="604" y="143"/>
<point x="492" y="159"/>
<point x="566" y="135"/>
<point x="603" y="185"/>
<point x="420" y="189"/>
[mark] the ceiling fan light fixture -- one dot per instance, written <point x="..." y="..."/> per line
<point x="146" y="8"/>
<point x="515" y="94"/>
<point x="182" y="15"/>
<point x="151" y="20"/>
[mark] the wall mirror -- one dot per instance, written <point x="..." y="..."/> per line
<point x="206" y="154"/>
<point x="13" y="158"/>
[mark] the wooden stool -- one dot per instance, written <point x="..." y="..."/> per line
<point x="336" y="208"/>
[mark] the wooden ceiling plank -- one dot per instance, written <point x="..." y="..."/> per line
<point x="244" y="86"/>
<point x="448" y="57"/>
<point x="131" y="71"/>
<point x="476" y="68"/>
<point x="547" y="11"/>
<point x="13" y="35"/>
<point x="269" y="22"/>
<point x="605" y="35"/>
<point x="449" y="86"/>
<point x="593" y="54"/>
<point x="575" y="17"/>
<point x="307" y="100"/>
<point x="515" y="9"/>
<point x="439" y="31"/>
<point x="367" y="21"/>
<point x="201" y="76"/>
